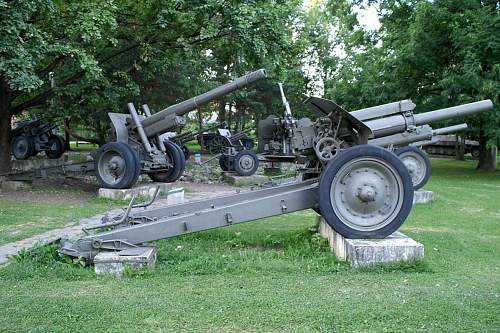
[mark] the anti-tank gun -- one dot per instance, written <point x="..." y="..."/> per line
<point x="138" y="146"/>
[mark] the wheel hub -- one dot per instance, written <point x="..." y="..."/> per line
<point x="415" y="166"/>
<point x="246" y="162"/>
<point x="366" y="193"/>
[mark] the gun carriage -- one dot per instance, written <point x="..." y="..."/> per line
<point x="32" y="136"/>
<point x="138" y="146"/>
<point x="361" y="190"/>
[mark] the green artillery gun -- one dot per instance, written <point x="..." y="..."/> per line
<point x="392" y="125"/>
<point x="30" y="137"/>
<point x="138" y="146"/>
<point x="217" y="143"/>
<point x="182" y="138"/>
<point x="361" y="190"/>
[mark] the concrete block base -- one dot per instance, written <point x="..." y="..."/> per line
<point x="422" y="196"/>
<point x="369" y="252"/>
<point x="114" y="263"/>
<point x="14" y="185"/>
<point x="233" y="179"/>
<point x="139" y="191"/>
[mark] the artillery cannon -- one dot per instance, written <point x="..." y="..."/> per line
<point x="30" y="137"/>
<point x="138" y="146"/>
<point x="182" y="138"/>
<point x="217" y="143"/>
<point x="285" y="139"/>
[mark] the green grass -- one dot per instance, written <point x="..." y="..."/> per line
<point x="83" y="147"/>
<point x="20" y="219"/>
<point x="278" y="275"/>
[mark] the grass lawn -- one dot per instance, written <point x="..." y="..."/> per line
<point x="278" y="275"/>
<point x="42" y="209"/>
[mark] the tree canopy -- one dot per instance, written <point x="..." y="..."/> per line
<point x="104" y="53"/>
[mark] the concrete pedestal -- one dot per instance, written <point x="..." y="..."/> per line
<point x="422" y="196"/>
<point x="114" y="263"/>
<point x="369" y="252"/>
<point x="140" y="191"/>
<point x="233" y="179"/>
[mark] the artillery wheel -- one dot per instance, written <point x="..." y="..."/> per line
<point x="365" y="192"/>
<point x="223" y="163"/>
<point x="417" y="163"/>
<point x="176" y="157"/>
<point x="117" y="165"/>
<point x="245" y="163"/>
<point x="22" y="147"/>
<point x="185" y="152"/>
<point x="217" y="145"/>
<point x="57" y="147"/>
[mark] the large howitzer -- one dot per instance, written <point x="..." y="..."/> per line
<point x="364" y="191"/>
<point x="138" y="146"/>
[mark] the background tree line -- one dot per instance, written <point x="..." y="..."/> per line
<point x="105" y="53"/>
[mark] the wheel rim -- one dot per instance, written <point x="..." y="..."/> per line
<point x="366" y="194"/>
<point x="217" y="145"/>
<point x="415" y="165"/>
<point x="112" y="167"/>
<point x="21" y="147"/>
<point x="246" y="162"/>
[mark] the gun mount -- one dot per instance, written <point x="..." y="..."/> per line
<point x="138" y="146"/>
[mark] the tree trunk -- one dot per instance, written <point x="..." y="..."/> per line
<point x="5" y="118"/>
<point x="67" y="137"/>
<point x="487" y="155"/>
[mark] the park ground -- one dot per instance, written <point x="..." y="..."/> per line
<point x="272" y="275"/>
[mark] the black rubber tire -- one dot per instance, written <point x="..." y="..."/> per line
<point x="132" y="165"/>
<point x="236" y="164"/>
<point x="183" y="160"/>
<point x="223" y="163"/>
<point x="59" y="151"/>
<point x="27" y="143"/>
<point x="176" y="155"/>
<point x="426" y="160"/>
<point x="186" y="152"/>
<point x="333" y="167"/>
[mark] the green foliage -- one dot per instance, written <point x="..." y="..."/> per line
<point x="438" y="53"/>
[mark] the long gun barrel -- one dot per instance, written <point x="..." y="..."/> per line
<point x="418" y="134"/>
<point x="450" y="129"/>
<point x="162" y="121"/>
<point x="406" y="120"/>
